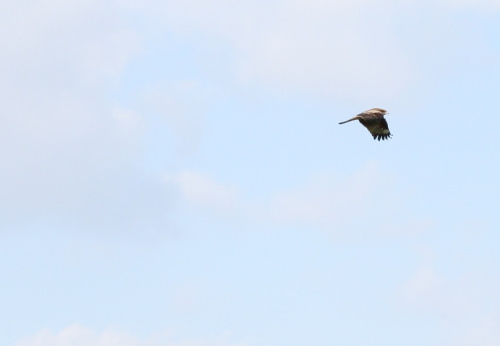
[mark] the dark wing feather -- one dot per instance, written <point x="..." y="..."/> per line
<point x="378" y="128"/>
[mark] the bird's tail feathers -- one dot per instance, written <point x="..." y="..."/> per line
<point x="355" y="118"/>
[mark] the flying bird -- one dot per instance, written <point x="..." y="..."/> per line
<point x="373" y="119"/>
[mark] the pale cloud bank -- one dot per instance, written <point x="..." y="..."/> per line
<point x="327" y="201"/>
<point x="69" y="153"/>
<point x="330" y="48"/>
<point x="352" y="50"/>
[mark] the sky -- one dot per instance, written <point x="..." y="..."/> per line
<point x="173" y="173"/>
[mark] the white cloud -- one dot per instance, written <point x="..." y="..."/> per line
<point x="56" y="45"/>
<point x="354" y="50"/>
<point x="327" y="47"/>
<point x="69" y="154"/>
<point x="77" y="335"/>
<point x="324" y="201"/>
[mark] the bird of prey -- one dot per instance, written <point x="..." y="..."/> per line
<point x="373" y="120"/>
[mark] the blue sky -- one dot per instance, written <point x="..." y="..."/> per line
<point x="174" y="173"/>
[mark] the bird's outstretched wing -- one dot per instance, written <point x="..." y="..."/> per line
<point x="378" y="128"/>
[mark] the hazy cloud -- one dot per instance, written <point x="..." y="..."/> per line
<point x="327" y="47"/>
<point x="69" y="153"/>
<point x="358" y="51"/>
<point x="77" y="335"/>
<point x="326" y="201"/>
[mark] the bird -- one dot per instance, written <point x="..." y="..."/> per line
<point x="373" y="119"/>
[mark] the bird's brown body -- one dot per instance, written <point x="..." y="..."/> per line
<point x="373" y="119"/>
